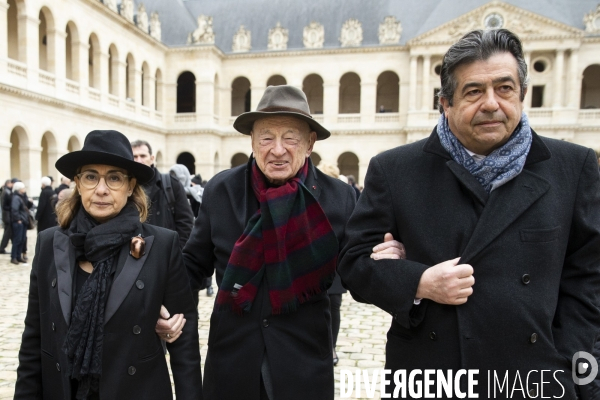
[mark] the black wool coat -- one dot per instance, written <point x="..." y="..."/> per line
<point x="534" y="244"/>
<point x="133" y="360"/>
<point x="298" y="345"/>
<point x="160" y="214"/>
<point x="45" y="216"/>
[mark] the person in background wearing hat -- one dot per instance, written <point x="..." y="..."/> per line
<point x="272" y="230"/>
<point x="6" y="205"/>
<point x="44" y="214"/>
<point x="19" y="217"/>
<point x="97" y="284"/>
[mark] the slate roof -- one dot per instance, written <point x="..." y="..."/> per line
<point x="179" y="18"/>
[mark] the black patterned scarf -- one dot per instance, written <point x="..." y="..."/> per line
<point x="99" y="244"/>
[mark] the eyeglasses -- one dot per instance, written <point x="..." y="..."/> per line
<point x="114" y="180"/>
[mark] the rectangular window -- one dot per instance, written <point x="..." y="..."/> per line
<point x="537" y="97"/>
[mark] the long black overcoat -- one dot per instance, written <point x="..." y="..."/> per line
<point x="298" y="345"/>
<point x="45" y="215"/>
<point x="534" y="244"/>
<point x="133" y="360"/>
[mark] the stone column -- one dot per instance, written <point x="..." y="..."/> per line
<point x="368" y="101"/>
<point x="3" y="32"/>
<point x="29" y="43"/>
<point x="80" y="59"/>
<point x="119" y="78"/>
<point x="331" y="101"/>
<point x="527" y="100"/>
<point x="575" y="78"/>
<point x="135" y="80"/>
<point x="426" y="98"/>
<point x="101" y="70"/>
<point x="57" y="54"/>
<point x="5" y="160"/>
<point x="170" y="99"/>
<point x="149" y="89"/>
<point x="558" y="79"/>
<point x="31" y="168"/>
<point x="204" y="100"/>
<point x="412" y="95"/>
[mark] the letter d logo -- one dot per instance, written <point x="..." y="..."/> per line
<point x="581" y="368"/>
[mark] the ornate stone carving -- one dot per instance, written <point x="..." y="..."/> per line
<point x="592" y="20"/>
<point x="462" y="26"/>
<point x="390" y="31"/>
<point x="142" y="18"/>
<point x="127" y="9"/>
<point x="155" y="28"/>
<point x="242" y="40"/>
<point x="314" y="36"/>
<point x="204" y="34"/>
<point x="111" y="4"/>
<point x="278" y="38"/>
<point x="522" y="25"/>
<point x="352" y="33"/>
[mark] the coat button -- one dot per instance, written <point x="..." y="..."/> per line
<point x="58" y="367"/>
<point x="157" y="213"/>
<point x="526" y="279"/>
<point x="131" y="370"/>
<point x="432" y="336"/>
<point x="532" y="393"/>
<point x="266" y="323"/>
<point x="137" y="330"/>
<point x="139" y="284"/>
<point x="533" y="338"/>
<point x="54" y="282"/>
<point x="53" y="327"/>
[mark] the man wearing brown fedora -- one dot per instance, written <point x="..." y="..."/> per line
<point x="272" y="230"/>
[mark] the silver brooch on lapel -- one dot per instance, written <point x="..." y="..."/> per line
<point x="137" y="247"/>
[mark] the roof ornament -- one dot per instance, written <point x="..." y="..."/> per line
<point x="352" y="33"/>
<point x="241" y="40"/>
<point x="155" y="28"/>
<point x="592" y="20"/>
<point x="127" y="10"/>
<point x="111" y="4"/>
<point x="314" y="36"/>
<point x="390" y="31"/>
<point x="204" y="34"/>
<point x="278" y="38"/>
<point x="142" y="18"/>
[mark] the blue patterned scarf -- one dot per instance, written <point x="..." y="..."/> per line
<point x="501" y="165"/>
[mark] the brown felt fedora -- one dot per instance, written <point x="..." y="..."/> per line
<point x="280" y="100"/>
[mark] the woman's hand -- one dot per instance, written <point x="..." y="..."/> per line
<point x="169" y="328"/>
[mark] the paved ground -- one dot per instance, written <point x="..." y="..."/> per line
<point x="361" y="342"/>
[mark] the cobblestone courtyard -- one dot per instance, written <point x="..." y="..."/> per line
<point x="361" y="342"/>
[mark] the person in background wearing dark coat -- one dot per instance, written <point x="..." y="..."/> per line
<point x="177" y="216"/>
<point x="352" y="182"/>
<point x="45" y="215"/>
<point x="270" y="330"/>
<point x="6" y="205"/>
<point x="19" y="217"/>
<point x="96" y="289"/>
<point x="64" y="184"/>
<point x="502" y="235"/>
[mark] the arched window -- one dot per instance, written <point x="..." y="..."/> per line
<point x="312" y="86"/>
<point x="188" y="160"/>
<point x="14" y="31"/>
<point x="349" y="94"/>
<point x="238" y="159"/>
<point x="216" y="96"/>
<point x="94" y="62"/>
<point x="276" y="80"/>
<point x="590" y="87"/>
<point x="46" y="35"/>
<point x="388" y="92"/>
<point x="113" y="70"/>
<point x="158" y="90"/>
<point x="72" y="52"/>
<point x="348" y="165"/>
<point x="18" y="158"/>
<point x="130" y="77"/>
<point x="186" y="92"/>
<point x="240" y="96"/>
<point x="74" y="144"/>
<point x="145" y="84"/>
<point x="48" y="154"/>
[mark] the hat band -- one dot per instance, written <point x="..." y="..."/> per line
<point x="286" y="109"/>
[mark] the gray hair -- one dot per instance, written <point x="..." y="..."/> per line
<point x="46" y="181"/>
<point x="480" y="45"/>
<point x="139" y="143"/>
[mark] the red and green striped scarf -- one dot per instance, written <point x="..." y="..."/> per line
<point x="289" y="242"/>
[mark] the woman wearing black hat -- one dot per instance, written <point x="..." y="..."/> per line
<point x="97" y="285"/>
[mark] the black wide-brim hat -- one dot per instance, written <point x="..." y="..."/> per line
<point x="281" y="100"/>
<point x="107" y="148"/>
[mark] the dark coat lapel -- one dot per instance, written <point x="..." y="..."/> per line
<point x="124" y="280"/>
<point x="64" y="261"/>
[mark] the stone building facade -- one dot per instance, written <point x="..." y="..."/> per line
<point x="178" y="73"/>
